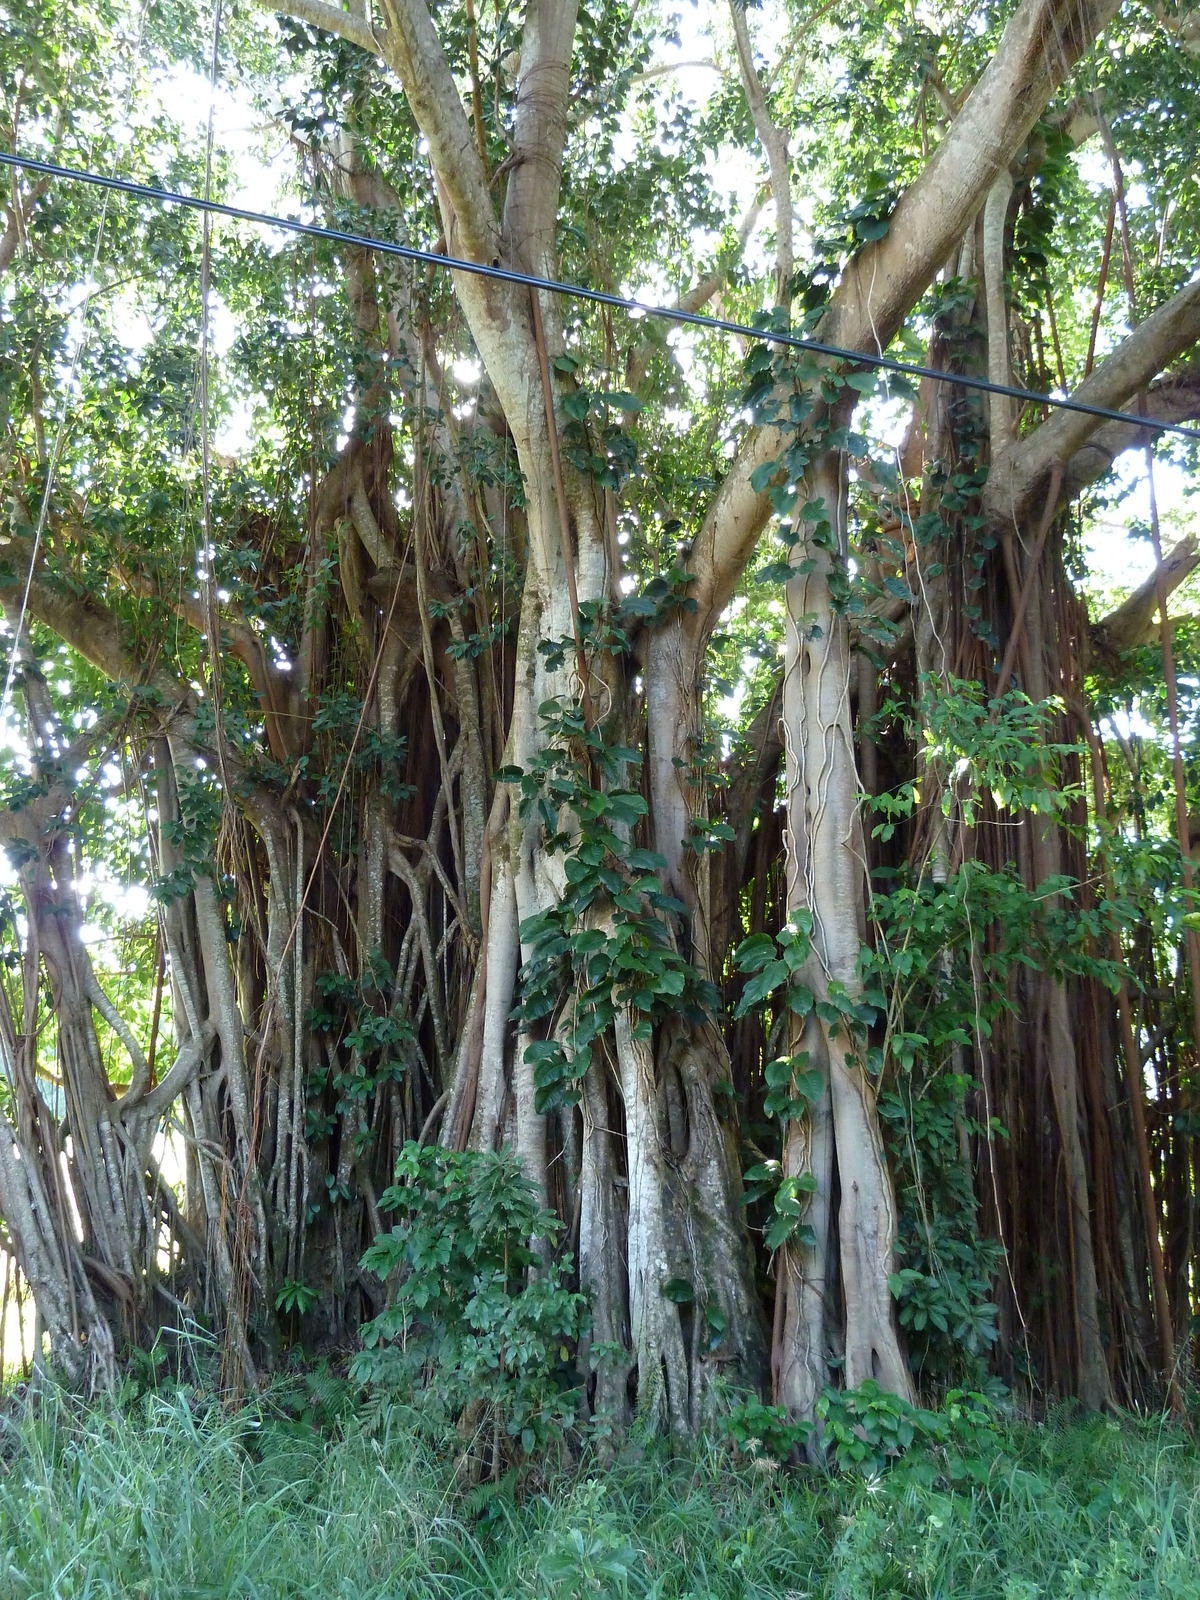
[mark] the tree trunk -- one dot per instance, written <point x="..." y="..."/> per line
<point x="826" y="880"/>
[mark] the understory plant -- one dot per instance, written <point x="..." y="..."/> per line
<point x="480" y="1324"/>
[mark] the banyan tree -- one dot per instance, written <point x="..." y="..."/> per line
<point x="443" y="709"/>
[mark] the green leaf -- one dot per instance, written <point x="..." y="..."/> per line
<point x="626" y="807"/>
<point x="641" y="860"/>
<point x="753" y="953"/>
<point x="622" y="400"/>
<point x="778" y="1231"/>
<point x="810" y="1085"/>
<point x="776" y="572"/>
<point x="762" y="987"/>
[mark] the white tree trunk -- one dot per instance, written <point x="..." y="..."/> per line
<point x="827" y="878"/>
<point x="601" y="1254"/>
<point x="654" y="1320"/>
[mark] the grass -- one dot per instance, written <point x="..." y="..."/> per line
<point x="161" y="1497"/>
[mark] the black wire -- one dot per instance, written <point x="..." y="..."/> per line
<point x="692" y="319"/>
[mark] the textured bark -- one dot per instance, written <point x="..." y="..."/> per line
<point x="502" y="958"/>
<point x="658" y="1344"/>
<point x="706" y="1188"/>
<point x="81" y="1340"/>
<point x="602" y="1237"/>
<point x="1002" y="413"/>
<point x="826" y="878"/>
<point x="800" y="1358"/>
<point x="1061" y="1064"/>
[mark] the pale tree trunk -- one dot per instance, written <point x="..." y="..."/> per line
<point x="38" y="1220"/>
<point x="803" y="1338"/>
<point x="654" y="1320"/>
<point x="82" y="1194"/>
<point x="228" y="1207"/>
<point x="81" y="1341"/>
<point x="826" y="879"/>
<point x="507" y="342"/>
<point x="603" y="1235"/>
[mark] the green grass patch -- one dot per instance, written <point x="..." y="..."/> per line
<point x="162" y="1496"/>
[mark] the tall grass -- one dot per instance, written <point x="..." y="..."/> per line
<point x="164" y="1497"/>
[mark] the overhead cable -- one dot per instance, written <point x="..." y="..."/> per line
<point x="636" y="308"/>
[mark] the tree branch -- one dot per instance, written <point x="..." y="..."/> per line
<point x="1175" y="398"/>
<point x="539" y="134"/>
<point x="414" y="52"/>
<point x="775" y="146"/>
<point x="332" y="19"/>
<point x="96" y="632"/>
<point x="89" y="627"/>
<point x="1132" y="623"/>
<point x="693" y="299"/>
<point x="1002" y="412"/>
<point x="1022" y="470"/>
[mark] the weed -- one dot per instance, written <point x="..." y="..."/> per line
<point x="164" y="1497"/>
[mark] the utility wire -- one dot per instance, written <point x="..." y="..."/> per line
<point x="639" y="308"/>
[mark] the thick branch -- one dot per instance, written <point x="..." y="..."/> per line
<point x="414" y="52"/>
<point x="192" y="1056"/>
<point x="1041" y="44"/>
<point x="539" y="133"/>
<point x="274" y="689"/>
<point x="1001" y="410"/>
<point x="1175" y="398"/>
<point x="89" y="627"/>
<point x="332" y="19"/>
<point x="775" y="145"/>
<point x="1133" y="622"/>
<point x="1022" y="471"/>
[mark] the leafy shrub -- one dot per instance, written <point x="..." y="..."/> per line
<point x="759" y="1430"/>
<point x="945" y="1267"/>
<point x="478" y="1319"/>
<point x="866" y="1428"/>
<point x="598" y="1562"/>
